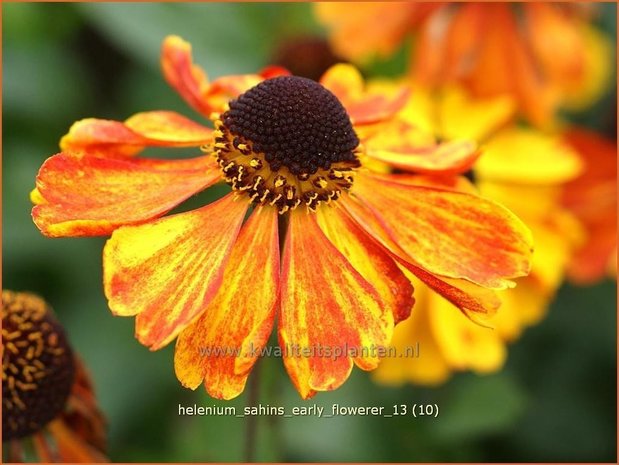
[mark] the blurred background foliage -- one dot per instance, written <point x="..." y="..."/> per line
<point x="555" y="400"/>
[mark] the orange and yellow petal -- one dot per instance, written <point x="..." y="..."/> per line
<point x="448" y="233"/>
<point x="474" y="301"/>
<point x="364" y="106"/>
<point x="369" y="259"/>
<point x="170" y="129"/>
<point x="167" y="272"/>
<point x="192" y="83"/>
<point x="188" y="79"/>
<point x="446" y="159"/>
<point x="87" y="196"/>
<point x="102" y="137"/>
<point x="329" y="312"/>
<point x="224" y="343"/>
<point x="115" y="139"/>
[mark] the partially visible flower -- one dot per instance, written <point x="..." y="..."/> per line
<point x="302" y="150"/>
<point x="364" y="30"/>
<point x="46" y="393"/>
<point x="523" y="169"/>
<point x="592" y="197"/>
<point x="544" y="54"/>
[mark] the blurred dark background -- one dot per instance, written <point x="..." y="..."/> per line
<point x="555" y="400"/>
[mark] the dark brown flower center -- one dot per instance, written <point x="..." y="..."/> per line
<point x="287" y="141"/>
<point x="38" y="368"/>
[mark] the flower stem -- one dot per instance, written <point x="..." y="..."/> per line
<point x="251" y="430"/>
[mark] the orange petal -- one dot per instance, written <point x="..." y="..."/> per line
<point x="273" y="71"/>
<point x="448" y="233"/>
<point x="189" y="80"/>
<point x="119" y="140"/>
<point x="363" y="106"/>
<point x="168" y="271"/>
<point x="468" y="297"/>
<point x="72" y="448"/>
<point x="102" y="137"/>
<point x="504" y="64"/>
<point x="448" y="158"/>
<point x="556" y="41"/>
<point x="369" y="259"/>
<point x="592" y="197"/>
<point x="88" y="196"/>
<point x="429" y="68"/>
<point x="330" y="315"/>
<point x="227" y="88"/>
<point x="237" y="323"/>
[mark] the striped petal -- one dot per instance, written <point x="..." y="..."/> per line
<point x="369" y="259"/>
<point x="221" y="347"/>
<point x="168" y="271"/>
<point x="448" y="233"/>
<point x="89" y="196"/>
<point x="115" y="139"/>
<point x="474" y="301"/>
<point x="330" y="315"/>
<point x="363" y="106"/>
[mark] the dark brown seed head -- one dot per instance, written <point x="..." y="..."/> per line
<point x="38" y="367"/>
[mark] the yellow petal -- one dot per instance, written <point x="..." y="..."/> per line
<point x="527" y="156"/>
<point x="464" y="344"/>
<point x="428" y="366"/>
<point x="463" y="117"/>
